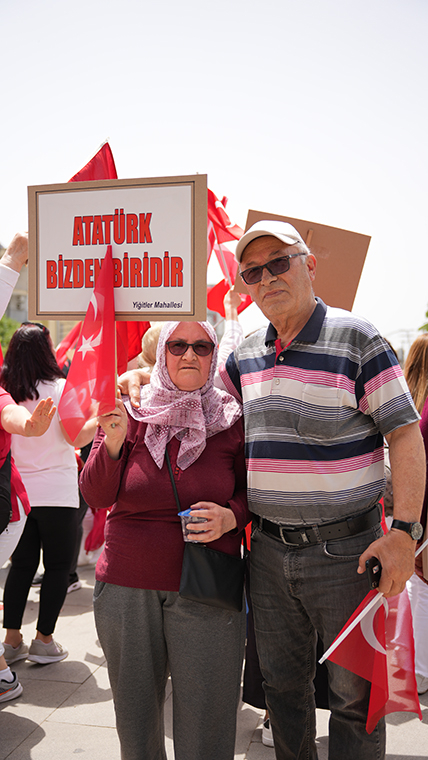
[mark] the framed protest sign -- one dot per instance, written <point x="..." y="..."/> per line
<point x="340" y="256"/>
<point x="157" y="228"/>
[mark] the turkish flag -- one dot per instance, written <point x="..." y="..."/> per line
<point x="211" y="240"/>
<point x="226" y="259"/>
<point x="92" y="375"/>
<point x="95" y="537"/>
<point x="380" y="648"/>
<point x="219" y="230"/>
<point x="128" y="334"/>
<point x="101" y="166"/>
<point x="224" y="229"/>
<point x="216" y="294"/>
<point x="128" y="337"/>
<point x="68" y="342"/>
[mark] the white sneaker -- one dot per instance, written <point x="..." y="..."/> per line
<point x="10" y="690"/>
<point x="13" y="654"/>
<point x="74" y="586"/>
<point x="267" y="738"/>
<point x="422" y="683"/>
<point x="45" y="653"/>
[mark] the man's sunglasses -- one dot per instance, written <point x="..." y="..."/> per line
<point x="179" y="347"/>
<point x="276" y="266"/>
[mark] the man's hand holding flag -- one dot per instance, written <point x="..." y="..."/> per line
<point x="377" y="644"/>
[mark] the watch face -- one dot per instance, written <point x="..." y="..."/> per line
<point x="416" y="531"/>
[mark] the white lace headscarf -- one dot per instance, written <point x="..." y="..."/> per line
<point x="190" y="416"/>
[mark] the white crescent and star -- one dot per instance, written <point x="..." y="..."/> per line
<point x="367" y="629"/>
<point x="89" y="344"/>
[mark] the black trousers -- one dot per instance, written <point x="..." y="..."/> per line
<point x="53" y="530"/>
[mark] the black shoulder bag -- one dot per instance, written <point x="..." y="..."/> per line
<point x="209" y="576"/>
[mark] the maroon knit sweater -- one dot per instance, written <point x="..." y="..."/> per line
<point x="144" y="544"/>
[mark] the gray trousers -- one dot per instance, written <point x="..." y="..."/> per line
<point x="147" y="635"/>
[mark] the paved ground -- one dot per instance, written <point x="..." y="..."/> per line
<point x="66" y="708"/>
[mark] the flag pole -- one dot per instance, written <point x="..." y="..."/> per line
<point x="376" y="601"/>
<point x="421" y="548"/>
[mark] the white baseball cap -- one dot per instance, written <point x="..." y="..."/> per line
<point x="281" y="230"/>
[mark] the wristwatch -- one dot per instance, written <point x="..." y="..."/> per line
<point x="415" y="530"/>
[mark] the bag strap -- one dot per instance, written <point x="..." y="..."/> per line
<point x="177" y="500"/>
<point x="174" y="487"/>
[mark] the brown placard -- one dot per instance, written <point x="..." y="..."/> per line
<point x="160" y="262"/>
<point x="340" y="257"/>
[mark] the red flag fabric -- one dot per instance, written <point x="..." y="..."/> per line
<point x="381" y="649"/>
<point x="211" y="240"/>
<point x="219" y="230"/>
<point x="67" y="343"/>
<point x="227" y="261"/>
<point x="223" y="227"/>
<point x="216" y="294"/>
<point x="101" y="166"/>
<point x="122" y="347"/>
<point x="95" y="537"/>
<point x="128" y="336"/>
<point x="92" y="375"/>
<point x="228" y="257"/>
<point x="135" y="331"/>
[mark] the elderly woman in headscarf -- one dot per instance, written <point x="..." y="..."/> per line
<point x="147" y="631"/>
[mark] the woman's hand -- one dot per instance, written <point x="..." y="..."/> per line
<point x="115" y="426"/>
<point x="16" y="254"/>
<point x="219" y="520"/>
<point x="39" y="421"/>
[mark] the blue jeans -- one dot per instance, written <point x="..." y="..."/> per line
<point x="297" y="592"/>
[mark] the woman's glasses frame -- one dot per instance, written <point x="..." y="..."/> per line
<point x="200" y="348"/>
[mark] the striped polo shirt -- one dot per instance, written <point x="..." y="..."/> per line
<point x="315" y="415"/>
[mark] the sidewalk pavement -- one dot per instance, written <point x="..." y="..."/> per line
<point x="66" y="708"/>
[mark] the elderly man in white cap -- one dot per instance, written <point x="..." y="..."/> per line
<point x="321" y="389"/>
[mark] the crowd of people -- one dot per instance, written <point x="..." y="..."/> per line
<point x="284" y="429"/>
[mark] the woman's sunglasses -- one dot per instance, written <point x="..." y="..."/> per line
<point x="179" y="347"/>
<point x="276" y="266"/>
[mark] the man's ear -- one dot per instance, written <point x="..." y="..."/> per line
<point x="311" y="264"/>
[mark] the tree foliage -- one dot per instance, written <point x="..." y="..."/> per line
<point x="424" y="328"/>
<point x="7" y="328"/>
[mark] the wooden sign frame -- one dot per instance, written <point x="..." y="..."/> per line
<point x="158" y="231"/>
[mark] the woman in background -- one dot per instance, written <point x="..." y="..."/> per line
<point x="14" y="500"/>
<point x="416" y="374"/>
<point x="49" y="473"/>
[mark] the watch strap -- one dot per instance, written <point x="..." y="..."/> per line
<point x="408" y="527"/>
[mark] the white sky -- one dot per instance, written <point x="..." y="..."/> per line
<point x="315" y="109"/>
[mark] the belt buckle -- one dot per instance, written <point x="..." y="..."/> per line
<point x="305" y="541"/>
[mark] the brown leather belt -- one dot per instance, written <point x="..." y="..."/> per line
<point x="314" y="534"/>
